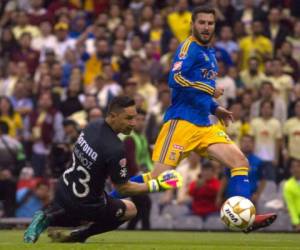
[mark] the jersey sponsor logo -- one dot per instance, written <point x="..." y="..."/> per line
<point x="86" y="147"/>
<point x="179" y="147"/>
<point x="177" y="66"/>
<point x="209" y="74"/>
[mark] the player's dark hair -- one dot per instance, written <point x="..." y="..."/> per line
<point x="120" y="102"/>
<point x="203" y="9"/>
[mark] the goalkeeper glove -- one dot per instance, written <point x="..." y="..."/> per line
<point x="167" y="180"/>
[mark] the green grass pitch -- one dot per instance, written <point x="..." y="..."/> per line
<point x="155" y="240"/>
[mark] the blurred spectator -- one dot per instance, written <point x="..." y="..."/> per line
<point x="81" y="116"/>
<point x="62" y="41"/>
<point x="226" y="83"/>
<point x="71" y="61"/>
<point x="239" y="127"/>
<point x="21" y="100"/>
<point x="114" y="17"/>
<point x="139" y="160"/>
<point x="190" y="169"/>
<point x="41" y="128"/>
<point x="267" y="94"/>
<point x="12" y="157"/>
<point x="291" y="130"/>
<point x="255" y="45"/>
<point x="156" y="114"/>
<point x="25" y="54"/>
<point x="291" y="194"/>
<point x="135" y="47"/>
<point x="60" y="155"/>
<point x="256" y="173"/>
<point x="225" y="13"/>
<point x="37" y="13"/>
<point x="8" y="44"/>
<point x="71" y="102"/>
<point x="282" y="83"/>
<point x="166" y="59"/>
<point x="11" y="117"/>
<point x="267" y="134"/>
<point x="204" y="192"/>
<point x="23" y="26"/>
<point x="179" y="20"/>
<point x="94" y="65"/>
<point x="94" y="114"/>
<point x="147" y="90"/>
<point x="227" y="43"/>
<point x="249" y="14"/>
<point x="295" y="41"/>
<point x="275" y="30"/>
<point x="31" y="200"/>
<point x="251" y="77"/>
<point x="290" y="65"/>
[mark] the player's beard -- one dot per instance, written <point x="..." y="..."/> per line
<point x="201" y="39"/>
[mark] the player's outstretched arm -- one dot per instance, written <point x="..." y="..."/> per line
<point x="169" y="179"/>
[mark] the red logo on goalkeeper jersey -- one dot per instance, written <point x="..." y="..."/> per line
<point x="177" y="66"/>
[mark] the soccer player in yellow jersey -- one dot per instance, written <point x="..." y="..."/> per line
<point x="187" y="126"/>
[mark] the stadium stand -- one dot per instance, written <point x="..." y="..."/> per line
<point x="60" y="59"/>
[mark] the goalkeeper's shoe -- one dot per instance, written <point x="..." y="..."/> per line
<point x="63" y="237"/>
<point x="263" y="220"/>
<point x="39" y="223"/>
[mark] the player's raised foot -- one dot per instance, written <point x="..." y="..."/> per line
<point x="262" y="220"/>
<point x="64" y="237"/>
<point x="38" y="224"/>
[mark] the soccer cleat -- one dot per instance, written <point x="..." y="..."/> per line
<point x="263" y="220"/>
<point x="61" y="237"/>
<point x="39" y="223"/>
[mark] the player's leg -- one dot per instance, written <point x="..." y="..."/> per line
<point x="115" y="214"/>
<point x="231" y="156"/>
<point x="167" y="152"/>
<point x="41" y="220"/>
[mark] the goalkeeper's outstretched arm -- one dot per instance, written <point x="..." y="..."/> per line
<point x="169" y="179"/>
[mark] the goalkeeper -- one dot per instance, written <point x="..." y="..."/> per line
<point x="80" y="196"/>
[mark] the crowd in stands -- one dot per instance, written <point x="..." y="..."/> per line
<point x="62" y="61"/>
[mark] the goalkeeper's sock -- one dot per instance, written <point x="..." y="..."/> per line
<point x="239" y="184"/>
<point x="143" y="178"/>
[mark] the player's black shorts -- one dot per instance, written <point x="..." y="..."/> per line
<point x="68" y="213"/>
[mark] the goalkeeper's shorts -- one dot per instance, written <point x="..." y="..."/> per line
<point x="178" y="138"/>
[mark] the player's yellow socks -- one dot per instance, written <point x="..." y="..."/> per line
<point x="239" y="171"/>
<point x="239" y="183"/>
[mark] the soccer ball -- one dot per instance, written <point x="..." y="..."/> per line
<point x="238" y="213"/>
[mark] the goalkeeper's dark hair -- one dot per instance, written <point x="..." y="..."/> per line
<point x="207" y="9"/>
<point x="119" y="103"/>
